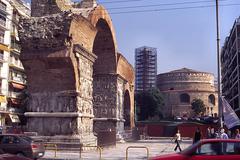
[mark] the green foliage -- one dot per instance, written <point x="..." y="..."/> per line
<point x="149" y="104"/>
<point x="198" y="106"/>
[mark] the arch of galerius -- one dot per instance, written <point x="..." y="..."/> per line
<point x="76" y="78"/>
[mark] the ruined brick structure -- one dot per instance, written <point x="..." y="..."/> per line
<point x="77" y="80"/>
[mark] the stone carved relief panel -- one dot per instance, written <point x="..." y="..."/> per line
<point x="120" y="98"/>
<point x="105" y="96"/>
<point x="52" y="102"/>
<point x="52" y="126"/>
<point x="85" y="68"/>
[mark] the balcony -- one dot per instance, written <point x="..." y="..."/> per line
<point x="17" y="95"/>
<point x="2" y="39"/>
<point x="16" y="66"/>
<point x="16" y="47"/>
<point x="3" y="8"/>
<point x="3" y="24"/>
<point x="19" y="80"/>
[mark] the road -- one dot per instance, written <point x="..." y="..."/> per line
<point x="155" y="147"/>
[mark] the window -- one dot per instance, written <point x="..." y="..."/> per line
<point x="3" y="6"/>
<point x="1" y="55"/>
<point x="211" y="99"/>
<point x="184" y="98"/>
<point x="2" y="20"/>
<point x="2" y="36"/>
<point x="9" y="140"/>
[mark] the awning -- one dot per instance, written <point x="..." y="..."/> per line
<point x="14" y="118"/>
<point x="4" y="48"/>
<point x="18" y="86"/>
<point x="3" y="99"/>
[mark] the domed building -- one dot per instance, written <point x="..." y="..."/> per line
<point x="181" y="87"/>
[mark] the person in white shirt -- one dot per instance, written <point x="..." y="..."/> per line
<point x="223" y="135"/>
<point x="177" y="141"/>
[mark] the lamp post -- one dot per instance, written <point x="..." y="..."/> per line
<point x="220" y="113"/>
<point x="211" y="108"/>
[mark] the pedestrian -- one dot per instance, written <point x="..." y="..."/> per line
<point x="208" y="133"/>
<point x="223" y="135"/>
<point x="177" y="141"/>
<point x="212" y="133"/>
<point x="237" y="134"/>
<point x="237" y="145"/>
<point x="229" y="133"/>
<point x="197" y="136"/>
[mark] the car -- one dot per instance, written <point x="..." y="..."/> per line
<point x="22" y="146"/>
<point x="177" y="118"/>
<point x="12" y="157"/>
<point x="207" y="149"/>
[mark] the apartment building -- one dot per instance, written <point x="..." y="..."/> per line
<point x="230" y="67"/>
<point x="12" y="77"/>
<point x="145" y="68"/>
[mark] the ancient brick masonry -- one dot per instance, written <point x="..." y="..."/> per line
<point x="75" y="75"/>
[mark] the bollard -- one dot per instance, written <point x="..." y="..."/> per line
<point x="52" y="145"/>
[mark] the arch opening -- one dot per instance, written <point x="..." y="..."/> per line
<point x="211" y="99"/>
<point x="104" y="48"/>
<point x="127" y="110"/>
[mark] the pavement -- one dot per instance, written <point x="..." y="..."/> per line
<point x="137" y="150"/>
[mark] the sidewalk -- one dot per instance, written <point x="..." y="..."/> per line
<point x="155" y="147"/>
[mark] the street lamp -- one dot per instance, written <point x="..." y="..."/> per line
<point x="220" y="113"/>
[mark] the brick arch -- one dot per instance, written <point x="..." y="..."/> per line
<point x="104" y="44"/>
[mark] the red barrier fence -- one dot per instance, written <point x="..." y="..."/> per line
<point x="169" y="129"/>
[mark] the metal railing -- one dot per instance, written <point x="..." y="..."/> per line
<point x="3" y="7"/>
<point x="16" y="46"/>
<point x="137" y="147"/>
<point x="51" y="147"/>
<point x="2" y="23"/>
<point x="15" y="94"/>
<point x="17" y="79"/>
<point x="98" y="148"/>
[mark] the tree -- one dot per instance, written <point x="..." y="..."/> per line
<point x="198" y="106"/>
<point x="149" y="104"/>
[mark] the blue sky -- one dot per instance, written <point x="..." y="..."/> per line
<point x="183" y="37"/>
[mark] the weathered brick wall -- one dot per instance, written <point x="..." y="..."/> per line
<point x="45" y="33"/>
<point x="41" y="8"/>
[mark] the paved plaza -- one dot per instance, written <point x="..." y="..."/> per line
<point x="155" y="147"/>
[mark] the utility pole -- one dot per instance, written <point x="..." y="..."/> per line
<point x="220" y="110"/>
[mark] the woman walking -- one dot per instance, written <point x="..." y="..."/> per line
<point x="177" y="141"/>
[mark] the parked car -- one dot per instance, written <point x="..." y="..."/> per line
<point x="12" y="157"/>
<point x="208" y="149"/>
<point x="177" y="118"/>
<point x="22" y="146"/>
